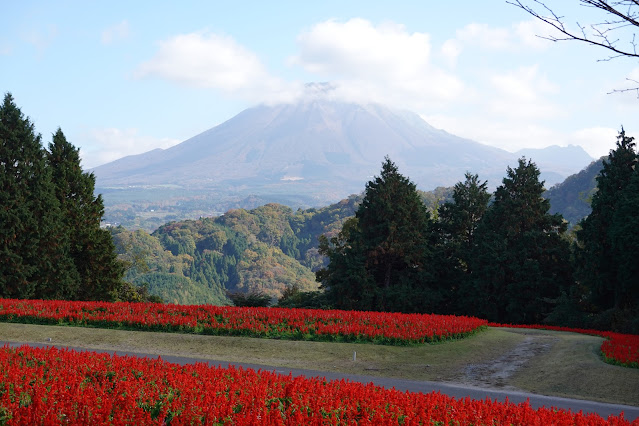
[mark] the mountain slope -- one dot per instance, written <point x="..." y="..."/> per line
<point x="327" y="147"/>
<point x="572" y="197"/>
<point x="310" y="153"/>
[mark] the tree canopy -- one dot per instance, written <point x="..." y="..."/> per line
<point x="381" y="259"/>
<point x="607" y="243"/>
<point x="50" y="238"/>
<point x="520" y="261"/>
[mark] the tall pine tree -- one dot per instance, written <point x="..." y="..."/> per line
<point x="91" y="248"/>
<point x="607" y="244"/>
<point x="382" y="261"/>
<point x="458" y="222"/>
<point x="520" y="261"/>
<point x="33" y="243"/>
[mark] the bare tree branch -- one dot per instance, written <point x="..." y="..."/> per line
<point x="630" y="89"/>
<point x="620" y="15"/>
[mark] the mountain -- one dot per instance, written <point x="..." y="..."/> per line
<point x="572" y="197"/>
<point x="305" y="154"/>
<point x="330" y="147"/>
<point x="555" y="162"/>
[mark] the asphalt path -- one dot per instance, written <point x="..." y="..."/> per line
<point x="454" y="390"/>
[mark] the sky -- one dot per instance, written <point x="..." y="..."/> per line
<point x="125" y="77"/>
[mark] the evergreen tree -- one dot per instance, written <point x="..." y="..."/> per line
<point x="33" y="244"/>
<point x="458" y="221"/>
<point x="91" y="248"/>
<point x="607" y="247"/>
<point x="382" y="261"/>
<point x="346" y="280"/>
<point x="625" y="246"/>
<point x="520" y="261"/>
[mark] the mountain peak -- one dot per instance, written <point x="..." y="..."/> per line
<point x="320" y="146"/>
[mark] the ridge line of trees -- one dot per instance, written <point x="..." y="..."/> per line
<point x="504" y="258"/>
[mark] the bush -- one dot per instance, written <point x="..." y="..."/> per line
<point x="251" y="299"/>
<point x="293" y="297"/>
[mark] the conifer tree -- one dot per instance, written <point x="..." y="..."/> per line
<point x="382" y="261"/>
<point x="606" y="238"/>
<point x="91" y="248"/>
<point x="33" y="244"/>
<point x="458" y="222"/>
<point x="520" y="261"/>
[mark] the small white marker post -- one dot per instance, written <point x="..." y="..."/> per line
<point x="354" y="356"/>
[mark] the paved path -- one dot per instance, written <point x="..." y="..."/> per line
<point x="457" y="391"/>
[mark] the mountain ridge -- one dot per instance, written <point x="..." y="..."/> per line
<point x="316" y="143"/>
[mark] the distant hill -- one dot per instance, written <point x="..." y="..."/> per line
<point x="572" y="197"/>
<point x="311" y="153"/>
<point x="556" y="163"/>
<point x="267" y="249"/>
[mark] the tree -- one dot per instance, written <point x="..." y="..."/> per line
<point x="459" y="219"/>
<point x="458" y="222"/>
<point x="614" y="32"/>
<point x="520" y="261"/>
<point x="380" y="259"/>
<point x="606" y="243"/>
<point x="91" y="248"/>
<point x="33" y="243"/>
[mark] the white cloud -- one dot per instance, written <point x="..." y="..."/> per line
<point x="104" y="145"/>
<point x="116" y="33"/>
<point x="213" y="61"/>
<point x="485" y="36"/>
<point x="451" y="50"/>
<point x="513" y="136"/>
<point x="505" y="134"/>
<point x="523" y="94"/>
<point x="518" y="37"/>
<point x="534" y="34"/>
<point x="597" y="141"/>
<point x="382" y="63"/>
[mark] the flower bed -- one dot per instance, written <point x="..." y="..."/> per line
<point x="618" y="348"/>
<point x="301" y="324"/>
<point x="52" y="386"/>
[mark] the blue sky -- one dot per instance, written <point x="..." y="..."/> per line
<point x="125" y="77"/>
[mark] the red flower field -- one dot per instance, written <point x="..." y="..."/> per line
<point x="301" y="324"/>
<point x="52" y="386"/>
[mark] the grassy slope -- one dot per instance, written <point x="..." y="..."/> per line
<point x="571" y="368"/>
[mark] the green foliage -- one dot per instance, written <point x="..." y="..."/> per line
<point x="91" y="248"/>
<point x="293" y="297"/>
<point x="519" y="262"/>
<point x="250" y="299"/>
<point x="265" y="250"/>
<point x="380" y="259"/>
<point x="457" y="225"/>
<point x="34" y="244"/>
<point x="607" y="244"/>
<point x="51" y="242"/>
